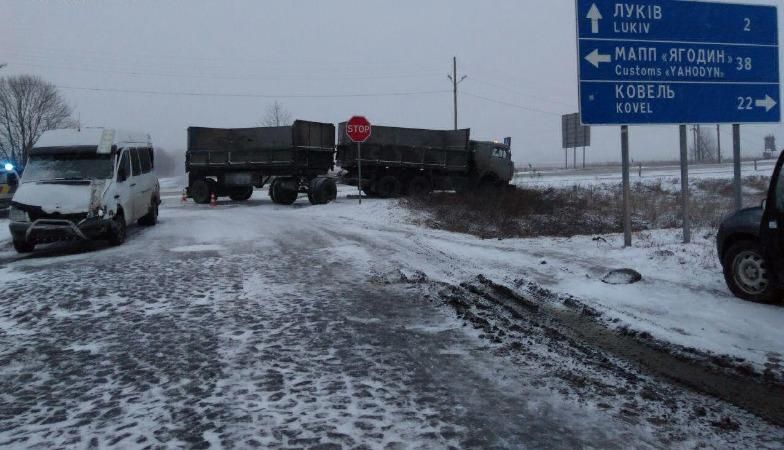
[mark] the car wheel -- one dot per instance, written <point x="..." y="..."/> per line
<point x="747" y="275"/>
<point x="200" y="192"/>
<point x="151" y="219"/>
<point x="23" y="246"/>
<point x="118" y="232"/>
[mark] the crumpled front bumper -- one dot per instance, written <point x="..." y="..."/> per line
<point x="43" y="231"/>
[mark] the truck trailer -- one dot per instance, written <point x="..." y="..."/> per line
<point x="230" y="162"/>
<point x="408" y="161"/>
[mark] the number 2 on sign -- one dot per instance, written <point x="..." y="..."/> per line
<point x="748" y="24"/>
<point x="745" y="103"/>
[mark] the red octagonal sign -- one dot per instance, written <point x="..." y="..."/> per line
<point x="358" y="129"/>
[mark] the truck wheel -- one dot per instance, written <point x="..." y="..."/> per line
<point x="201" y="192"/>
<point x="388" y="187"/>
<point x="328" y="190"/>
<point x="419" y="186"/>
<point x="286" y="191"/>
<point x="118" y="231"/>
<point x="314" y="194"/>
<point x="273" y="190"/>
<point x="23" y="246"/>
<point x="241" y="194"/>
<point x="151" y="219"/>
<point x="322" y="191"/>
<point x="746" y="273"/>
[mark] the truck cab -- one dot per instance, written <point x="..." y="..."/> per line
<point x="493" y="162"/>
<point x="84" y="184"/>
<point x="751" y="246"/>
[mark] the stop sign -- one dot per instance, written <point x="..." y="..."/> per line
<point x="358" y="129"/>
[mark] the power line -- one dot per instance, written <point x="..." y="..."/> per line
<point x="251" y="95"/>
<point x="513" y="105"/>
<point x="536" y="97"/>
<point x="225" y="77"/>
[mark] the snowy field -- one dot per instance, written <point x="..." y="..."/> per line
<point x="593" y="176"/>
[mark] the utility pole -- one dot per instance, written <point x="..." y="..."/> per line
<point x="455" y="82"/>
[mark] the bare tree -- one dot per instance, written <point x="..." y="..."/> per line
<point x="276" y="116"/>
<point x="706" y="148"/>
<point x="28" y="107"/>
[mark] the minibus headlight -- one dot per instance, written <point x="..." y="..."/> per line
<point x="17" y="215"/>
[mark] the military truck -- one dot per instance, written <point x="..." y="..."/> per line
<point x="408" y="161"/>
<point x="231" y="162"/>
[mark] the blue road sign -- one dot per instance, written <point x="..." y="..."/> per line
<point x="674" y="62"/>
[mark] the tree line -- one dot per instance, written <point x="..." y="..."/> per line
<point x="30" y="105"/>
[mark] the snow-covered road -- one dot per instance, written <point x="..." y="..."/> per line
<point x="254" y="325"/>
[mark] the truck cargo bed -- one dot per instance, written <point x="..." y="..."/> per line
<point x="408" y="147"/>
<point x="304" y="147"/>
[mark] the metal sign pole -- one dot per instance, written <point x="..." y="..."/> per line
<point x="627" y="219"/>
<point x="359" y="170"/>
<point x="736" y="158"/>
<point x="685" y="184"/>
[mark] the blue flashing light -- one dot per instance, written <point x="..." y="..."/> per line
<point x="9" y="167"/>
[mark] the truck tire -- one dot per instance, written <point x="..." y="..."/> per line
<point x="388" y="187"/>
<point x="322" y="191"/>
<point x="419" y="186"/>
<point x="286" y="191"/>
<point x="241" y="194"/>
<point x="368" y="191"/>
<point x="201" y="191"/>
<point x="118" y="232"/>
<point x="273" y="190"/>
<point x="23" y="246"/>
<point x="746" y="273"/>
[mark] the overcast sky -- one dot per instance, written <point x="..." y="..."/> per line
<point x="317" y="58"/>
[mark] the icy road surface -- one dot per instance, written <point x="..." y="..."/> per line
<point x="263" y="326"/>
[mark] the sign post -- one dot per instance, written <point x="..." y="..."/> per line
<point x="574" y="134"/>
<point x="627" y="211"/>
<point x="737" y="189"/>
<point x="358" y="129"/>
<point x="675" y="62"/>
<point x="685" y="184"/>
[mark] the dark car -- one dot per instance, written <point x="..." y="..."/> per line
<point x="751" y="246"/>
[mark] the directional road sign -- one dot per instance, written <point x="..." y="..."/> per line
<point x="674" y="62"/>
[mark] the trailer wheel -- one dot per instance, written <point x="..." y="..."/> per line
<point x="368" y="191"/>
<point x="322" y="191"/>
<point x="200" y="192"/>
<point x="286" y="191"/>
<point x="388" y="187"/>
<point x="273" y="190"/>
<point x="419" y="186"/>
<point x="241" y="194"/>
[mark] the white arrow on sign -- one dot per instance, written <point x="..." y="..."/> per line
<point x="767" y="103"/>
<point x="597" y="58"/>
<point x="594" y="16"/>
